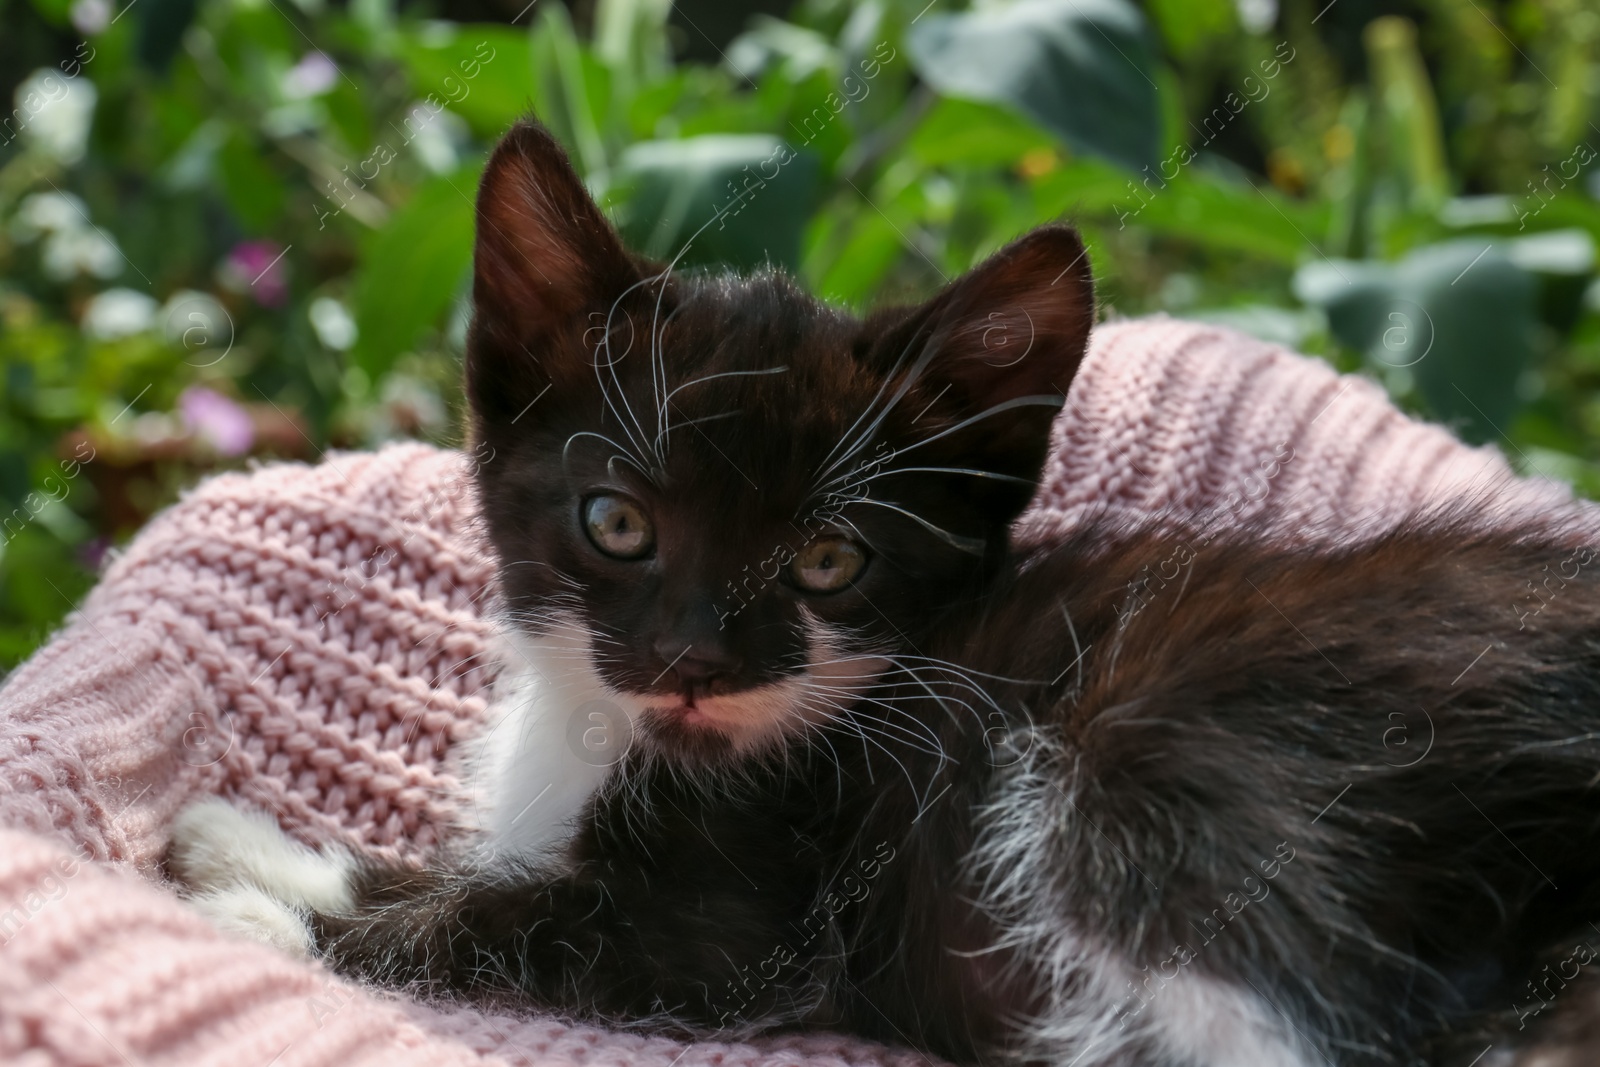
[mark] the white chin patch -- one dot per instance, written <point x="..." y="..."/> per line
<point x="765" y="715"/>
<point x="556" y="728"/>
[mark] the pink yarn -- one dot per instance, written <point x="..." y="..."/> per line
<point x="313" y="641"/>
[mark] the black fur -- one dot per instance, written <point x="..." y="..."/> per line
<point x="1353" y="783"/>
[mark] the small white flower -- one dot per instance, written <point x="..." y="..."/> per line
<point x="1257" y="16"/>
<point x="437" y="33"/>
<point x="56" y="112"/>
<point x="332" y="323"/>
<point x="118" y="313"/>
<point x="407" y="407"/>
<point x="154" y="427"/>
<point x="91" y="17"/>
<point x="69" y="253"/>
<point x="43" y="213"/>
<point x="436" y="137"/>
<point x="196" y="322"/>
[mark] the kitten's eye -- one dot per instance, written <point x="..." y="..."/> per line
<point x="618" y="527"/>
<point x="827" y="564"/>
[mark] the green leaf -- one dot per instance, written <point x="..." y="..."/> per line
<point x="1563" y="262"/>
<point x="770" y="42"/>
<point x="848" y="264"/>
<point x="1405" y="100"/>
<point x="160" y="28"/>
<point x="1280" y="326"/>
<point x="1480" y="306"/>
<point x="1458" y="316"/>
<point x="39" y="583"/>
<point x="1212" y="211"/>
<point x="1225" y="215"/>
<point x="738" y="200"/>
<point x="1190" y="25"/>
<point x="630" y="37"/>
<point x="412" y="268"/>
<point x="480" y="72"/>
<point x="816" y="114"/>
<point x="1560" y="252"/>
<point x="1080" y="68"/>
<point x="1355" y="296"/>
<point x="572" y="86"/>
<point x="966" y="133"/>
<point x="252" y="188"/>
<point x="56" y="12"/>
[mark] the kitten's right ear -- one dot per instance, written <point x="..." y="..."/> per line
<point x="545" y="254"/>
<point x="993" y="354"/>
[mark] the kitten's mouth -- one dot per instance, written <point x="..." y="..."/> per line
<point x="689" y="710"/>
<point x="688" y="719"/>
<point x="712" y="719"/>
<point x="685" y="711"/>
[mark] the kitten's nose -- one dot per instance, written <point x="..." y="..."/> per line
<point x="696" y="661"/>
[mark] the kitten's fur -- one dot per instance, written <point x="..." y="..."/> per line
<point x="982" y="801"/>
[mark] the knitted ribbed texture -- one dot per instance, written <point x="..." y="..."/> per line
<point x="1200" y="424"/>
<point x="313" y="640"/>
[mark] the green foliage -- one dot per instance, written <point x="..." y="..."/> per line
<point x="1083" y="70"/>
<point x="415" y="266"/>
<point x="235" y="228"/>
<point x="691" y="195"/>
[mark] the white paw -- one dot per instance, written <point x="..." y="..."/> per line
<point x="251" y="878"/>
<point x="248" y="912"/>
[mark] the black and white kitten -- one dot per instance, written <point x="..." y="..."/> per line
<point x="892" y="775"/>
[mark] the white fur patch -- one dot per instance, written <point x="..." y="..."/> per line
<point x="1192" y="1018"/>
<point x="528" y="779"/>
<point x="556" y="728"/>
<point x="1224" y="1026"/>
<point x="251" y="878"/>
<point x="247" y="912"/>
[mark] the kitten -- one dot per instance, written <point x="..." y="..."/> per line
<point x="720" y="507"/>
<point x="892" y="775"/>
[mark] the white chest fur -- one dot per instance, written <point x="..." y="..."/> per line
<point x="553" y="734"/>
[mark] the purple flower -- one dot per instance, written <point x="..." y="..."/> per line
<point x="314" y="75"/>
<point x="258" y="268"/>
<point x="92" y="553"/>
<point x="219" y="421"/>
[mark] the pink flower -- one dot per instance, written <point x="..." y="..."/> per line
<point x="92" y="553"/>
<point x="217" y="420"/>
<point x="314" y="75"/>
<point x="258" y="268"/>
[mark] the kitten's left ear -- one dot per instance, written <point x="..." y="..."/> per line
<point x="999" y="347"/>
<point x="545" y="257"/>
<point x="544" y="249"/>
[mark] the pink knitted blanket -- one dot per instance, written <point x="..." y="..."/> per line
<point x="313" y="640"/>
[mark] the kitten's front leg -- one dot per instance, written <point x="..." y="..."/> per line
<point x="460" y="928"/>
<point x="608" y="947"/>
<point x="509" y="929"/>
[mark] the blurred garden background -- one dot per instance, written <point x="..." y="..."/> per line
<point x="240" y="229"/>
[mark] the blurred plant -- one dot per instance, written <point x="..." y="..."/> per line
<point x="237" y="229"/>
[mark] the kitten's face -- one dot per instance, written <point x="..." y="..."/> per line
<point x="729" y="502"/>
